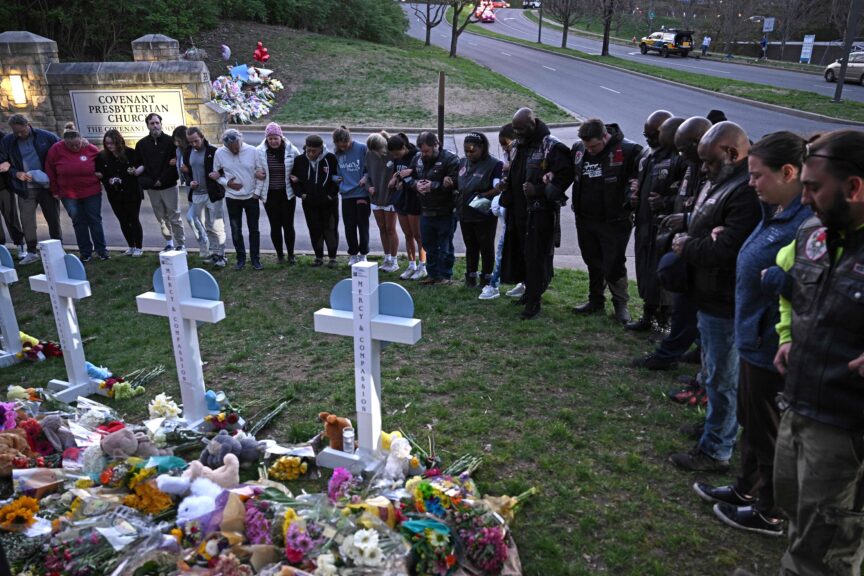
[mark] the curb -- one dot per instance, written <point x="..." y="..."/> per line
<point x="740" y="99"/>
<point x="394" y="130"/>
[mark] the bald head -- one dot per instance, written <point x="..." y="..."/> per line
<point x="652" y="127"/>
<point x="689" y="134"/>
<point x="524" y="122"/>
<point x="722" y="148"/>
<point x="667" y="132"/>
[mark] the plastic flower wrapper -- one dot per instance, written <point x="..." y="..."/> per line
<point x="91" y="414"/>
<point x="432" y="548"/>
<point x="440" y="494"/>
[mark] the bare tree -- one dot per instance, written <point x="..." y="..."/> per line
<point x="464" y="10"/>
<point x="566" y="12"/>
<point x="793" y="16"/>
<point x="430" y="14"/>
<point x="607" y="8"/>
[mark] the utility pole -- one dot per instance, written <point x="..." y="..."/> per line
<point x="540" y="26"/>
<point x="851" y="30"/>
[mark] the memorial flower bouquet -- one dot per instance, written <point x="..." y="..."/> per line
<point x="228" y="420"/>
<point x="18" y="514"/>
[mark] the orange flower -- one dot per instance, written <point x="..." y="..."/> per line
<point x="18" y="513"/>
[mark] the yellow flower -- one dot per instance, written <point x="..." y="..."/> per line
<point x="84" y="483"/>
<point x="148" y="499"/>
<point x="18" y="513"/>
<point x="141" y="476"/>
<point x="290" y="517"/>
<point x="178" y="534"/>
<point x="221" y="417"/>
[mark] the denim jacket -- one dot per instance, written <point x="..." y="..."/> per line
<point x="756" y="311"/>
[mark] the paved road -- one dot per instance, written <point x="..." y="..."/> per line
<point x="616" y="96"/>
<point x="513" y="22"/>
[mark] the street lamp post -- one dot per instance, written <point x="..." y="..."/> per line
<point x="851" y="29"/>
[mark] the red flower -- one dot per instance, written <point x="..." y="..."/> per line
<point x="232" y="418"/>
<point x="293" y="556"/>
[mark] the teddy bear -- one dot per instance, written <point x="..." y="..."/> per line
<point x="333" y="427"/>
<point x="226" y="476"/>
<point x="124" y="443"/>
<point x="13" y="445"/>
<point x="57" y="433"/>
<point x="246" y="450"/>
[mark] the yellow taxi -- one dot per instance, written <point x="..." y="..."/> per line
<point x="668" y="42"/>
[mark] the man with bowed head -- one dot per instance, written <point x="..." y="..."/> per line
<point x="541" y="171"/>
<point x="819" y="457"/>
<point x="606" y="165"/>
<point x="157" y="175"/>
<point x="207" y="196"/>
<point x="725" y="213"/>
<point x="435" y="172"/>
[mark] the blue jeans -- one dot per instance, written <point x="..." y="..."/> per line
<point x="235" y="217"/>
<point x="720" y="366"/>
<point x="495" y="281"/>
<point x="86" y="215"/>
<point x="436" y="232"/>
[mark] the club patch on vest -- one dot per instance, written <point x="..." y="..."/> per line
<point x="858" y="269"/>
<point x="817" y="244"/>
<point x="463" y="170"/>
<point x="577" y="157"/>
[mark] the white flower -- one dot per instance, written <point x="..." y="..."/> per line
<point x="347" y="549"/>
<point x="162" y="406"/>
<point x="366" y="540"/>
<point x="326" y="565"/>
<point x="371" y="557"/>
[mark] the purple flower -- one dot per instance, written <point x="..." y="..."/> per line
<point x="7" y="415"/>
<point x="339" y="483"/>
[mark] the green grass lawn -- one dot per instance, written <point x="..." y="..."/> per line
<point x="333" y="81"/>
<point x="796" y="99"/>
<point x="550" y="403"/>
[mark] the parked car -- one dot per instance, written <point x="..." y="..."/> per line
<point x="500" y="4"/>
<point x="488" y="17"/>
<point x="854" y="71"/>
<point x="527" y="4"/>
<point x="668" y="42"/>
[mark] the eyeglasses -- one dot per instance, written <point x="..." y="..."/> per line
<point x="808" y="153"/>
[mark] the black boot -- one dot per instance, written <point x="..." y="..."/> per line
<point x="470" y="279"/>
<point x="622" y="315"/>
<point x="590" y="307"/>
<point x="645" y="323"/>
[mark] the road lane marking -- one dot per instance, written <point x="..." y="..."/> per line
<point x="609" y="89"/>
<point x="506" y="54"/>
<point x="548" y="68"/>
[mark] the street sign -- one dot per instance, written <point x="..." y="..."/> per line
<point x="807" y="48"/>
<point x="768" y="25"/>
<point x="652" y="15"/>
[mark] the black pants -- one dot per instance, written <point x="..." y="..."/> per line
<point x="539" y="251"/>
<point x="603" y="245"/>
<point x="355" y="217"/>
<point x="236" y="208"/>
<point x="759" y="419"/>
<point x="683" y="329"/>
<point x="126" y="208"/>
<point x="479" y="237"/>
<point x="9" y="210"/>
<point x="280" y="213"/>
<point x="323" y="223"/>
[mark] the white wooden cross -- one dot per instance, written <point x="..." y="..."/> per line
<point x="372" y="314"/>
<point x="65" y="281"/>
<point x="11" y="340"/>
<point x="185" y="297"/>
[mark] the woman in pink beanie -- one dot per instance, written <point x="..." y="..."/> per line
<point x="277" y="155"/>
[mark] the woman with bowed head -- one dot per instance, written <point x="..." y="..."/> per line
<point x="276" y="154"/>
<point x="775" y="164"/>
<point x="71" y="169"/>
<point x="314" y="180"/>
<point x="116" y="165"/>
<point x="479" y="175"/>
<point x="407" y="205"/>
<point x="351" y="157"/>
<point x="380" y="168"/>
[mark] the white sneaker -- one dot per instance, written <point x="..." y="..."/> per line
<point x="406" y="275"/>
<point x="394" y="265"/>
<point x="137" y="253"/>
<point x="420" y="273"/>
<point x="22" y="251"/>
<point x="129" y="251"/>
<point x="517" y="291"/>
<point x="361" y="258"/>
<point x="30" y="258"/>
<point x="489" y="293"/>
<point x="353" y="260"/>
